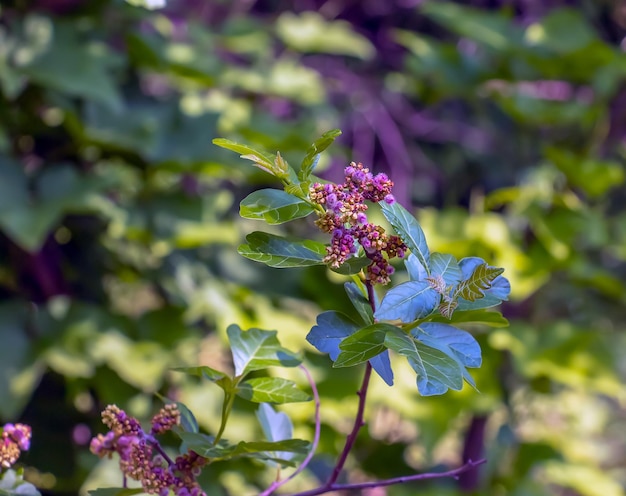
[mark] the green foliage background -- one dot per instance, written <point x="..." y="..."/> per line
<point x="119" y="224"/>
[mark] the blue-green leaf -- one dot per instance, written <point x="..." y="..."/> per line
<point x="409" y="231"/>
<point x="274" y="206"/>
<point x="451" y="340"/>
<point x="187" y="419"/>
<point x="446" y="266"/>
<point x="407" y="302"/>
<point x="436" y="372"/>
<point x="271" y="390"/>
<point x="331" y="328"/>
<point x="276" y="426"/>
<point x="280" y="252"/>
<point x="257" y="349"/>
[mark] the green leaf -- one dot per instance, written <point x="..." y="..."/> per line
<point x="352" y="266"/>
<point x="203" y="445"/>
<point x="187" y="419"/>
<point x="273" y="206"/>
<point x="363" y="345"/>
<point x="360" y="302"/>
<point x="436" y="371"/>
<point x="473" y="288"/>
<point x="262" y="160"/>
<point x="482" y="317"/>
<point x="257" y="349"/>
<point x="409" y="230"/>
<point x="271" y="390"/>
<point x="280" y="252"/>
<point x="313" y="153"/>
<point x="204" y="372"/>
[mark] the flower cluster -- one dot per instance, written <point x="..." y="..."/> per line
<point x="345" y="219"/>
<point x="15" y="439"/>
<point x="141" y="456"/>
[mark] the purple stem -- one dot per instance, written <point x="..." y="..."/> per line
<point x="455" y="473"/>
<point x="316" y="437"/>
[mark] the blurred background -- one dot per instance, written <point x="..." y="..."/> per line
<point x="503" y="126"/>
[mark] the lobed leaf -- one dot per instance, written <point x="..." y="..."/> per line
<point x="407" y="302"/>
<point x="257" y="349"/>
<point x="497" y="292"/>
<point x="274" y="206"/>
<point x="482" y="277"/>
<point x="271" y="390"/>
<point x="280" y="252"/>
<point x="409" y="230"/>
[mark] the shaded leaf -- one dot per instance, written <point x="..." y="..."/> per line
<point x="382" y="366"/>
<point x="257" y="349"/>
<point x="409" y="230"/>
<point x="330" y="329"/>
<point x="115" y="491"/>
<point x="417" y="272"/>
<point x="280" y="252"/>
<point x="273" y="206"/>
<point x="271" y="390"/>
<point x="353" y="265"/>
<point x="203" y="371"/>
<point x="407" y="302"/>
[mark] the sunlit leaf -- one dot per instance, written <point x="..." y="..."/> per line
<point x="261" y="159"/>
<point x="256" y="349"/>
<point x="446" y="266"/>
<point x="271" y="390"/>
<point x="482" y="277"/>
<point x="482" y="317"/>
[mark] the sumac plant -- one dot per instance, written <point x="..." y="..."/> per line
<point x="417" y="319"/>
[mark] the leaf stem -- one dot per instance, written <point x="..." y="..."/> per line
<point x="227" y="406"/>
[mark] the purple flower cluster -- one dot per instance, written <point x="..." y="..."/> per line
<point x="345" y="219"/>
<point x="141" y="457"/>
<point x="15" y="439"/>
